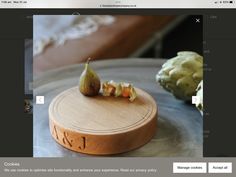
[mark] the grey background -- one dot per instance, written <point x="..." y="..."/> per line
<point x="28" y="66"/>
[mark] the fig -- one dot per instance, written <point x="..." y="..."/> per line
<point x="89" y="82"/>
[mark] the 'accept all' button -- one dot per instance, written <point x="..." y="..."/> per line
<point x="219" y="167"/>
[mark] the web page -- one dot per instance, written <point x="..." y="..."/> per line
<point x="117" y="88"/>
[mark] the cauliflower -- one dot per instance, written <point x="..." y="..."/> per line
<point x="199" y="90"/>
<point x="181" y="75"/>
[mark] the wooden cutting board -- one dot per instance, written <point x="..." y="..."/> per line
<point x="102" y="125"/>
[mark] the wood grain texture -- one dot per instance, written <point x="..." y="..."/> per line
<point x="102" y="125"/>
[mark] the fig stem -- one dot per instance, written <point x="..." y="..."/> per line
<point x="88" y="60"/>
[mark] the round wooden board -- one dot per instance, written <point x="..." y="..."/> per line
<point x="102" y="125"/>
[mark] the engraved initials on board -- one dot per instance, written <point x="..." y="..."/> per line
<point x="54" y="131"/>
<point x="83" y="143"/>
<point x="66" y="140"/>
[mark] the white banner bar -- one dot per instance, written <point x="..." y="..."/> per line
<point x="161" y="4"/>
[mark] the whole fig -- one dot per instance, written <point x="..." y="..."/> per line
<point x="89" y="82"/>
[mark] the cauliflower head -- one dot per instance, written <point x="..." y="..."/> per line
<point x="182" y="74"/>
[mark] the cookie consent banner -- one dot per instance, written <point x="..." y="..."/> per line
<point x="102" y="167"/>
